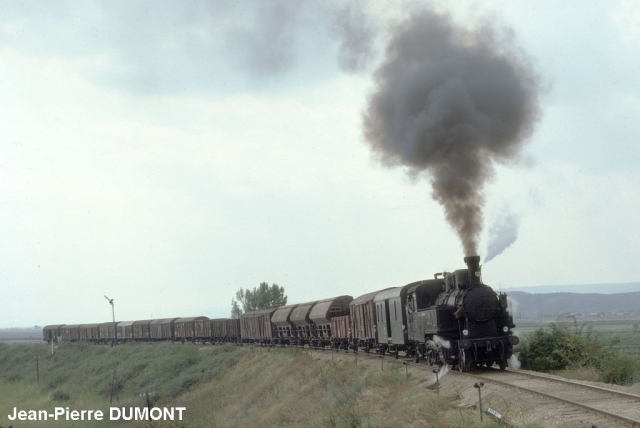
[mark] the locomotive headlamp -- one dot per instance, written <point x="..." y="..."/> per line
<point x="477" y="274"/>
<point x="514" y="340"/>
<point x="465" y="332"/>
<point x="505" y="329"/>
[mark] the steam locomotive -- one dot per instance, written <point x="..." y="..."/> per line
<point x="453" y="319"/>
<point x="459" y="320"/>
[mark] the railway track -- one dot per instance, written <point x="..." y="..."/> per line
<point x="608" y="404"/>
<point x="608" y="407"/>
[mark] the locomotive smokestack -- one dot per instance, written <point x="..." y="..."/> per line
<point x="473" y="264"/>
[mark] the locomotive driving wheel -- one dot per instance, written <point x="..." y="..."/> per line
<point x="464" y="361"/>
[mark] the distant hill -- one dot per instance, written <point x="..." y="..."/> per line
<point x="587" y="305"/>
<point x="628" y="287"/>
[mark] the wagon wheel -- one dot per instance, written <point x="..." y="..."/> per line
<point x="395" y="355"/>
<point x="463" y="361"/>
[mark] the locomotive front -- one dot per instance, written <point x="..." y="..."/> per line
<point x="469" y="324"/>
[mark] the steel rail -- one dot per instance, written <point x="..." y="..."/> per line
<point x="574" y="383"/>
<point x="620" y="418"/>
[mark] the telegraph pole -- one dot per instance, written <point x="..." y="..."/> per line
<point x="113" y="313"/>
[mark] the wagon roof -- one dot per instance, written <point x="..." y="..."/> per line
<point x="90" y="325"/>
<point x="163" y="321"/>
<point x="258" y="313"/>
<point x="301" y="311"/>
<point x="321" y="308"/>
<point x="331" y="299"/>
<point x="365" y="298"/>
<point x="67" y="326"/>
<point x="396" y="291"/>
<point x="142" y="322"/>
<point x="190" y="319"/>
<point x="282" y="313"/>
<point x="107" y="324"/>
<point x="223" y="319"/>
<point x="52" y="326"/>
<point x="126" y="323"/>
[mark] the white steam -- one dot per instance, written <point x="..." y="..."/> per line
<point x="512" y="306"/>
<point x="502" y="233"/>
<point x="514" y="363"/>
<point x="444" y="369"/>
<point x="442" y="342"/>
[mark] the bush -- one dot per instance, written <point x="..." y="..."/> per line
<point x="563" y="348"/>
<point x="621" y="369"/>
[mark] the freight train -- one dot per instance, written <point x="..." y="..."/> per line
<point x="452" y="319"/>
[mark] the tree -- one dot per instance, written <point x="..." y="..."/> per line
<point x="262" y="297"/>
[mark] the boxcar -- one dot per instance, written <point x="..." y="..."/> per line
<point x="185" y="328"/>
<point x="305" y="329"/>
<point x="125" y="331"/>
<point x="321" y="315"/>
<point x="69" y="332"/>
<point x="90" y="332"/>
<point x="341" y="332"/>
<point x="162" y="329"/>
<point x="203" y="330"/>
<point x="51" y="333"/>
<point x="107" y="332"/>
<point x="225" y="330"/>
<point x="363" y="321"/>
<point x="141" y="330"/>
<point x="256" y="327"/>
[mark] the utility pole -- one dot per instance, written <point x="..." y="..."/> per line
<point x="113" y="313"/>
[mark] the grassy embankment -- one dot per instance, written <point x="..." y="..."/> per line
<point x="224" y="386"/>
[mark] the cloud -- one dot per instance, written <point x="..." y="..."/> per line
<point x="357" y="34"/>
<point x="220" y="47"/>
<point x="626" y="17"/>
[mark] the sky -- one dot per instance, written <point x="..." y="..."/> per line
<point x="167" y="154"/>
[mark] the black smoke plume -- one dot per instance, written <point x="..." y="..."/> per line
<point x="450" y="101"/>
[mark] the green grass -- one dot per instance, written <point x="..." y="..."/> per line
<point x="225" y="386"/>
<point x="80" y="375"/>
